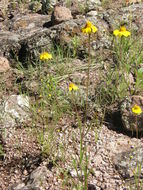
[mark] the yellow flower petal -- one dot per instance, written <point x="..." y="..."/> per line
<point x="89" y="28"/>
<point x="94" y="29"/>
<point x="72" y="87"/>
<point x="121" y="32"/>
<point x="116" y="32"/>
<point x="126" y="33"/>
<point x="136" y="109"/>
<point x="86" y="30"/>
<point x="45" y="56"/>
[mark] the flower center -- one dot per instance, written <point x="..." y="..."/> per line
<point x="88" y="25"/>
<point x="122" y="29"/>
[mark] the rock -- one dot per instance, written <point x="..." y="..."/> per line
<point x="93" y="4"/>
<point x="9" y="43"/>
<point x="14" y="111"/>
<point x="28" y="23"/>
<point x="27" y="37"/>
<point x="74" y="6"/>
<point x="36" y="180"/>
<point x="131" y="121"/>
<point x="60" y="14"/>
<point x="38" y="177"/>
<point x="67" y="31"/>
<point x="92" y="13"/>
<point x="32" y="33"/>
<point x="129" y="164"/>
<point x="4" y="65"/>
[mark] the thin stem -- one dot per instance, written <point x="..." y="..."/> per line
<point x="137" y="132"/>
<point x="88" y="70"/>
<point x="121" y="53"/>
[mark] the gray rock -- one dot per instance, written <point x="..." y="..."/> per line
<point x="129" y="165"/>
<point x="27" y="39"/>
<point x="131" y="121"/>
<point x="32" y="33"/>
<point x="92" y="13"/>
<point x="92" y="4"/>
<point x="23" y="24"/>
<point x="38" y="177"/>
<point x="36" y="180"/>
<point x="9" y="43"/>
<point x="14" y="111"/>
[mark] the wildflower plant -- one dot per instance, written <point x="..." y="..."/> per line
<point x="88" y="29"/>
<point x="82" y="161"/>
<point x="121" y="44"/>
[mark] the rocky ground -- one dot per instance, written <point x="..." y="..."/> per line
<point x="115" y="154"/>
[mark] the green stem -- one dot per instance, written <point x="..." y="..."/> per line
<point x="88" y="70"/>
<point x="121" y="53"/>
<point x="137" y="131"/>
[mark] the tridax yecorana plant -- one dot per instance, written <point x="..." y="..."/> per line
<point x="53" y="101"/>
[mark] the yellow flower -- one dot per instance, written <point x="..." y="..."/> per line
<point x="122" y="32"/>
<point x="72" y="87"/>
<point x="136" y="109"/>
<point x="89" y="28"/>
<point x="45" y="56"/>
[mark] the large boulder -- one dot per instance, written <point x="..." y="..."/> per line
<point x="14" y="111"/>
<point x="9" y="43"/>
<point x="33" y="33"/>
<point x="130" y="167"/>
<point x="130" y="120"/>
<point x="27" y="37"/>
